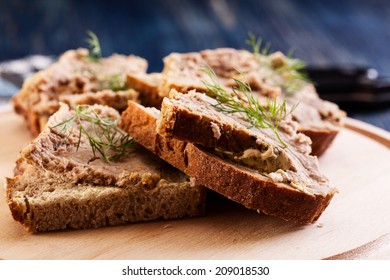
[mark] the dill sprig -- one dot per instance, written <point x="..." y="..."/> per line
<point x="115" y="82"/>
<point x="255" y="43"/>
<point x="241" y="100"/>
<point x="104" y="137"/>
<point x="94" y="51"/>
<point x="293" y="73"/>
<point x="288" y="70"/>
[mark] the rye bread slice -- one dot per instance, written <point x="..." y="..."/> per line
<point x="57" y="186"/>
<point x="239" y="183"/>
<point x="148" y="87"/>
<point x="75" y="74"/>
<point x="318" y="119"/>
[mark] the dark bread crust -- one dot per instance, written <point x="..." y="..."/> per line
<point x="231" y="180"/>
<point x="321" y="139"/>
<point x="176" y="125"/>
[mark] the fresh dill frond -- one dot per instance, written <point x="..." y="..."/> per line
<point x="293" y="74"/>
<point x="289" y="73"/>
<point x="94" y="51"/>
<point x="255" y="43"/>
<point x="103" y="134"/>
<point x="115" y="82"/>
<point x="241" y="100"/>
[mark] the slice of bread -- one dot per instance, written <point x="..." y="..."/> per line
<point x="75" y="74"/>
<point x="318" y="119"/>
<point x="115" y="99"/>
<point x="59" y="186"/>
<point x="148" y="87"/>
<point x="294" y="191"/>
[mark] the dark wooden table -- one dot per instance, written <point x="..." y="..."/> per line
<point x="325" y="32"/>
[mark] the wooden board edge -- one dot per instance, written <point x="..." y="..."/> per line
<point x="375" y="133"/>
<point x="369" y="250"/>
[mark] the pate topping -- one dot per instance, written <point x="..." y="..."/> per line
<point x="216" y="130"/>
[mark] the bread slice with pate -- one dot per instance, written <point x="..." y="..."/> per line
<point x="74" y="79"/>
<point x="228" y="155"/>
<point x="269" y="76"/>
<point x="61" y="183"/>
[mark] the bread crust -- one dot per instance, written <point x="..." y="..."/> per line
<point x="175" y="123"/>
<point x="237" y="183"/>
<point x="321" y="139"/>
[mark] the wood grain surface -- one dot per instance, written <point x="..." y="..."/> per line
<point x="354" y="226"/>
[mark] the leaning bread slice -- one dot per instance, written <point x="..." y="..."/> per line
<point x="61" y="183"/>
<point x="271" y="76"/>
<point x="281" y="192"/>
<point x="148" y="87"/>
<point x="73" y="75"/>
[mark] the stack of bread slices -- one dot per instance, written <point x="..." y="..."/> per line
<point x="183" y="139"/>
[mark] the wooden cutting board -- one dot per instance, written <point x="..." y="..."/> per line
<point x="356" y="225"/>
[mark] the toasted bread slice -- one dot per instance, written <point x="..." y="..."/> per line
<point x="75" y="74"/>
<point x="281" y="193"/>
<point x="318" y="119"/>
<point x="59" y="186"/>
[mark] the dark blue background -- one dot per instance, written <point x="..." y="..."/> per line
<point x="321" y="32"/>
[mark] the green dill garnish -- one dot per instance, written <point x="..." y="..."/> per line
<point x="94" y="51"/>
<point x="288" y="72"/>
<point x="115" y="82"/>
<point x="104" y="137"/>
<point x="255" y="43"/>
<point x="293" y="74"/>
<point x="241" y="100"/>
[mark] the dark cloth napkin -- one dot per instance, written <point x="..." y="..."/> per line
<point x="14" y="72"/>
